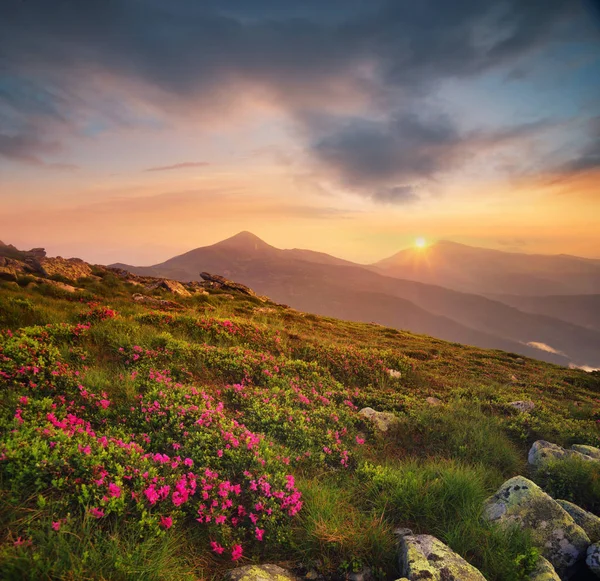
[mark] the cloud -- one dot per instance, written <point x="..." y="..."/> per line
<point x="169" y="58"/>
<point x="544" y="347"/>
<point x="183" y="165"/>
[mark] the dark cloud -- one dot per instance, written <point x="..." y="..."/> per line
<point x="588" y="157"/>
<point x="306" y="56"/>
<point x="396" y="195"/>
<point x="25" y="148"/>
<point x="183" y="165"/>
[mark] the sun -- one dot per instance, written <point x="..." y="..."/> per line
<point x="420" y="242"/>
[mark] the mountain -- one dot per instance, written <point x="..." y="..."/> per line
<point x="324" y="285"/>
<point x="582" y="310"/>
<point x="486" y="271"/>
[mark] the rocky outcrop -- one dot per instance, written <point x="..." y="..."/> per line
<point x="382" y="421"/>
<point x="522" y="406"/>
<point x="71" y="268"/>
<point x="544" y="571"/>
<point x="425" y="557"/>
<point x="589" y="522"/>
<point x="260" y="573"/>
<point x="174" y="287"/>
<point x="159" y="303"/>
<point x="220" y="282"/>
<point x="593" y="559"/>
<point x="520" y="501"/>
<point x="588" y="451"/>
<point x="541" y="452"/>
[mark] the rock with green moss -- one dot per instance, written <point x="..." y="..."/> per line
<point x="589" y="522"/>
<point x="593" y="559"/>
<point x="522" y="502"/>
<point x="260" y="573"/>
<point x="588" y="451"/>
<point x="425" y="557"/>
<point x="542" y="452"/>
<point x="382" y="421"/>
<point x="544" y="571"/>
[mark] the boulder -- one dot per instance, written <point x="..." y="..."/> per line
<point x="588" y="521"/>
<point x="425" y="557"/>
<point x="382" y="421"/>
<point x="589" y="451"/>
<point x="71" y="268"/>
<point x="434" y="401"/>
<point x="522" y="502"/>
<point x="173" y="287"/>
<point x="218" y="281"/>
<point x="394" y="373"/>
<point x="544" y="571"/>
<point x="260" y="573"/>
<point x="541" y="452"/>
<point x="593" y="559"/>
<point x="522" y="406"/>
<point x="159" y="303"/>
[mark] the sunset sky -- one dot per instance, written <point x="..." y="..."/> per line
<point x="134" y="130"/>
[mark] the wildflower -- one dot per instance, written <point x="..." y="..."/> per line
<point x="216" y="547"/>
<point x="104" y="403"/>
<point x="236" y="552"/>
<point x="56" y="525"/>
<point x="166" y="522"/>
<point x="259" y="533"/>
<point x="114" y="490"/>
<point x="188" y="462"/>
<point x="97" y="512"/>
<point x="360" y="440"/>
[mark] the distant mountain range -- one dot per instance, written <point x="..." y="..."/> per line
<point x="391" y="293"/>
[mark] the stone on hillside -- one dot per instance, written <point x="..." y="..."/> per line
<point x="522" y="502"/>
<point x="544" y="571"/>
<point x="522" y="406"/>
<point x="587" y="450"/>
<point x="71" y="268"/>
<point x="394" y="373"/>
<point x="260" y="573"/>
<point x="541" y="452"/>
<point x="382" y="421"/>
<point x="144" y="299"/>
<point x="434" y="401"/>
<point x="425" y="557"/>
<point x="173" y="287"/>
<point x="218" y="281"/>
<point x="593" y="559"/>
<point x="588" y="521"/>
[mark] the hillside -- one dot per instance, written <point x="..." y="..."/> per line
<point x="486" y="271"/>
<point x="327" y="286"/>
<point x="163" y="431"/>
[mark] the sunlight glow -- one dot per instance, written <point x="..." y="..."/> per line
<point x="420" y="242"/>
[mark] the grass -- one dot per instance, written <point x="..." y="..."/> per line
<point x="295" y="382"/>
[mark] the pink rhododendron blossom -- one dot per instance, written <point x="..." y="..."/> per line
<point x="166" y="522"/>
<point x="236" y="552"/>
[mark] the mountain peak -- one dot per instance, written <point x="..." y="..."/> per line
<point x="244" y="240"/>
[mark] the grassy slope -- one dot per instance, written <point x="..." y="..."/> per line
<point x="277" y="394"/>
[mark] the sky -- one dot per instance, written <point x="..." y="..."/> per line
<point x="135" y="130"/>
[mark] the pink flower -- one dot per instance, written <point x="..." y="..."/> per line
<point x="216" y="547"/>
<point x="360" y="440"/>
<point x="23" y="400"/>
<point x="259" y="533"/>
<point x="188" y="462"/>
<point x="166" y="522"/>
<point x="236" y="552"/>
<point x="97" y="512"/>
<point x="56" y="525"/>
<point x="114" y="490"/>
<point x="104" y="403"/>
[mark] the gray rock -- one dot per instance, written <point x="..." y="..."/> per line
<point x="434" y="401"/>
<point x="520" y="501"/>
<point x="522" y="405"/>
<point x="541" y="452"/>
<point x="589" y="451"/>
<point x="544" y="571"/>
<point x="593" y="559"/>
<point x="588" y="521"/>
<point x="260" y="573"/>
<point x="425" y="557"/>
<point x="382" y="421"/>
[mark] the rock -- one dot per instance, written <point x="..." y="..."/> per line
<point x="144" y="299"/>
<point x="541" y="452"/>
<point x="434" y="401"/>
<point x="522" y="406"/>
<point x="520" y="501"/>
<point x="425" y="557"/>
<point x="593" y="559"/>
<point x="383" y="421"/>
<point x="260" y="573"/>
<point x="544" y="571"/>
<point x="588" y="521"/>
<point x="173" y="287"/>
<point x="394" y="373"/>
<point x="364" y="575"/>
<point x="218" y="281"/>
<point x="587" y="450"/>
<point x="71" y="268"/>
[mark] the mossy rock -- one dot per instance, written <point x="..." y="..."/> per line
<point x="382" y="421"/>
<point x="544" y="571"/>
<point x="588" y="521"/>
<point x="593" y="559"/>
<point x="260" y="573"/>
<point x="522" y="502"/>
<point x="589" y="451"/>
<point x="542" y="452"/>
<point x="425" y="557"/>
